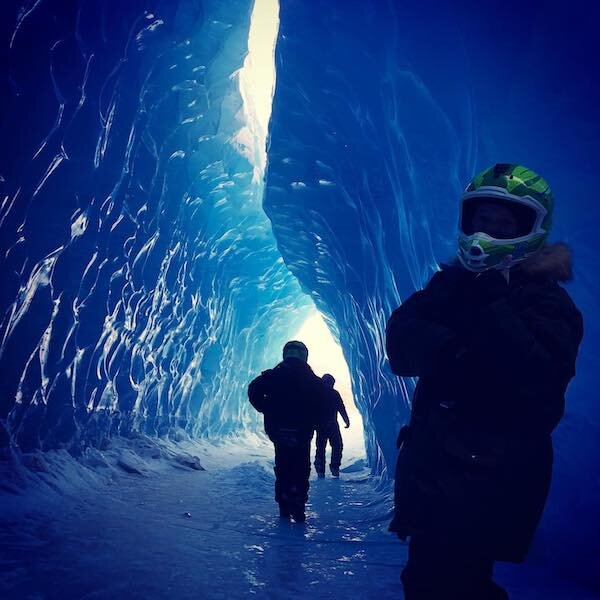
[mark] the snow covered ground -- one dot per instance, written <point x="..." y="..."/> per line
<point x="114" y="525"/>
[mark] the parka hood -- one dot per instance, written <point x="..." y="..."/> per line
<point x="553" y="260"/>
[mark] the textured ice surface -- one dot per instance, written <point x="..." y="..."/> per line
<point x="92" y="529"/>
<point x="141" y="286"/>
<point x="381" y="114"/>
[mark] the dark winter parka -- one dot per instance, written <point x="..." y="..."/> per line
<point x="493" y="360"/>
<point x="291" y="398"/>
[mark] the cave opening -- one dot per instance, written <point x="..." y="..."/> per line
<point x="326" y="356"/>
<point x="257" y="88"/>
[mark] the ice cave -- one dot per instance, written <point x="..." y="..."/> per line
<point x="188" y="184"/>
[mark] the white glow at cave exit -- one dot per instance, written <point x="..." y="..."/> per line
<point x="325" y="356"/>
<point x="257" y="86"/>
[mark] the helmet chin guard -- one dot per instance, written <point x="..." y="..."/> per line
<point x="480" y="252"/>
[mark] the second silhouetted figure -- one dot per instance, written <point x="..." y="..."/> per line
<point x="330" y="430"/>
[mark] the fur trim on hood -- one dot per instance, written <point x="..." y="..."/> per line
<point x="553" y="260"/>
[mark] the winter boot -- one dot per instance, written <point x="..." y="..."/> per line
<point x="299" y="515"/>
<point x="297" y="511"/>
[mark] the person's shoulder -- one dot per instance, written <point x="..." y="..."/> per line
<point x="452" y="269"/>
<point x="267" y="374"/>
<point x="449" y="274"/>
<point x="542" y="279"/>
<point x="553" y="263"/>
<point x="560" y="299"/>
<point x="547" y="271"/>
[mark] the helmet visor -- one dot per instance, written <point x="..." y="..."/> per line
<point x="500" y="219"/>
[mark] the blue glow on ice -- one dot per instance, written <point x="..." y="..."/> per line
<point x="143" y="284"/>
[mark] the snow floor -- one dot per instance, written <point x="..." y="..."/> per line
<point x="113" y="524"/>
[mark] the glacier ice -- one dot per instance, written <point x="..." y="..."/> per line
<point x="144" y="282"/>
<point x="380" y="115"/>
<point x="138" y="262"/>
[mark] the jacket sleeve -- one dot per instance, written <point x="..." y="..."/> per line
<point x="258" y="392"/>
<point x="538" y="337"/>
<point x="531" y="345"/>
<point x="322" y="404"/>
<point x="342" y="410"/>
<point x="414" y="335"/>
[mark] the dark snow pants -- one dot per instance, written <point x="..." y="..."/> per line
<point x="332" y="435"/>
<point x="447" y="572"/>
<point x="292" y="470"/>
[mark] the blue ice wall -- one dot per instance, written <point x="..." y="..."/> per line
<point x="140" y="278"/>
<point x="382" y="112"/>
<point x="141" y="284"/>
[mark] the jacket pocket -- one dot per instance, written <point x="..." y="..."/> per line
<point x="473" y="452"/>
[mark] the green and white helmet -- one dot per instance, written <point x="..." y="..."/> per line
<point x="529" y="199"/>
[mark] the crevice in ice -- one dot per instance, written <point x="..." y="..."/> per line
<point x="257" y="86"/>
<point x="257" y="83"/>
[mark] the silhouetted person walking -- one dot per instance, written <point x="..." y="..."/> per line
<point x="493" y="339"/>
<point x="291" y="398"/>
<point x="330" y="431"/>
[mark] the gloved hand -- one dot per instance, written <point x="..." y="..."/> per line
<point x="444" y="357"/>
<point x="447" y="364"/>
<point x="487" y="287"/>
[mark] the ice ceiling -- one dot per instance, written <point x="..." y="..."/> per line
<point x="154" y="258"/>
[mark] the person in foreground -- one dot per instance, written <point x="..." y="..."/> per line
<point x="291" y="398"/>
<point x="330" y="432"/>
<point x="493" y="338"/>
